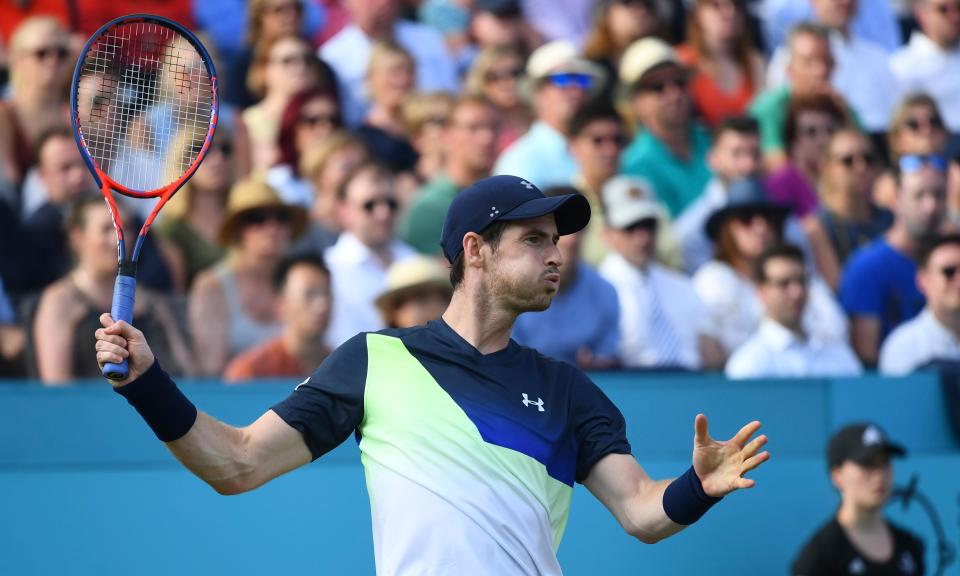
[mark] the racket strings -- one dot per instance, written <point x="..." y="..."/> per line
<point x="145" y="101"/>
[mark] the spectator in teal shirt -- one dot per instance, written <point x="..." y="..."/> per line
<point x="670" y="150"/>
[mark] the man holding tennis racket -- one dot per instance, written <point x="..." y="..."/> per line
<point x="470" y="442"/>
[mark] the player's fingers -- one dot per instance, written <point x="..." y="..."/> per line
<point x="102" y="335"/>
<point x="110" y="348"/>
<point x="754" y="446"/>
<point x="753" y="462"/>
<point x="745" y="433"/>
<point x="700" y="425"/>
<point x="744" y="483"/>
<point x="108" y="358"/>
<point x="106" y="320"/>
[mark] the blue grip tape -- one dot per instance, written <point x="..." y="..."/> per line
<point x="124" y="293"/>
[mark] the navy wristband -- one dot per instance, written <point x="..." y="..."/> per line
<point x="684" y="501"/>
<point x="161" y="404"/>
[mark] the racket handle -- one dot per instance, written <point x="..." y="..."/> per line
<point x="124" y="291"/>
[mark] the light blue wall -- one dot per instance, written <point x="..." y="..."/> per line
<point x="86" y="489"/>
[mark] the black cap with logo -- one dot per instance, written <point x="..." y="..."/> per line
<point x="860" y="443"/>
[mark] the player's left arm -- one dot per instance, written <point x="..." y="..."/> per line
<point x="652" y="510"/>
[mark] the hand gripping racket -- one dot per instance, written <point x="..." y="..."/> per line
<point x="143" y="84"/>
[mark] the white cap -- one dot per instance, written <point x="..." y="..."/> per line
<point x="561" y="56"/>
<point x="642" y="56"/>
<point x="629" y="199"/>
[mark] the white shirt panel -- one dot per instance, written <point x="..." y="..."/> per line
<point x="357" y="277"/>
<point x="683" y="309"/>
<point x="922" y="66"/>
<point x="775" y="352"/>
<point x="915" y="343"/>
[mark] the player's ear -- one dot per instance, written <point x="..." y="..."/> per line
<point x="472" y="253"/>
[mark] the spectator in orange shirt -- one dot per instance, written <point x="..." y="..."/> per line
<point x="303" y="303"/>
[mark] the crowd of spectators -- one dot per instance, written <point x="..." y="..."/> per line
<point x="774" y="184"/>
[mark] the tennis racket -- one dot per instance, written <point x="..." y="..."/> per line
<point x="142" y="85"/>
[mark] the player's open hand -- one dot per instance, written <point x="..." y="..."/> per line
<point x="118" y="341"/>
<point x="721" y="465"/>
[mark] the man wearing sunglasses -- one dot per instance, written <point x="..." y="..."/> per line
<point x="878" y="288"/>
<point x="935" y="333"/>
<point x="367" y="208"/>
<point x="670" y="150"/>
<point x="562" y="81"/>
<point x="930" y="63"/>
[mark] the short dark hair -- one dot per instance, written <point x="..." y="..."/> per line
<point x="931" y="245"/>
<point x="554" y="191"/>
<point x="491" y="235"/>
<point x="823" y="103"/>
<point x="743" y="125"/>
<point x="778" y="251"/>
<point x="591" y="113"/>
<point x="292" y="260"/>
<point x="379" y="169"/>
<point x="55" y="131"/>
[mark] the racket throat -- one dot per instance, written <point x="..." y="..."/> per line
<point x="127" y="268"/>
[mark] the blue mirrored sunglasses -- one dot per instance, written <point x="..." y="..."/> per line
<point x="913" y="162"/>
<point x="571" y="80"/>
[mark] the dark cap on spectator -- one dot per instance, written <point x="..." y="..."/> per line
<point x="860" y="443"/>
<point x="504" y="198"/>
<point x="501" y="8"/>
<point x="744" y="196"/>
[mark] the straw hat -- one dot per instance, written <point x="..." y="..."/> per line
<point x="411" y="275"/>
<point x="252" y="194"/>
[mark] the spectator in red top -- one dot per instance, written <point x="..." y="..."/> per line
<point x="728" y="70"/>
<point x="303" y="305"/>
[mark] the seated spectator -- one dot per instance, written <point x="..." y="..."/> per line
<point x="930" y="63"/>
<point x="367" y="210"/>
<point x="281" y="68"/>
<point x="189" y="222"/>
<point x="780" y="347"/>
<point x="39" y="64"/>
<point x="417" y="291"/>
<point x="496" y="75"/>
<point x="811" y="121"/>
<point x="861" y="66"/>
<point x="876" y="21"/>
<point x="741" y="230"/>
<point x="310" y="116"/>
<point x="670" y="148"/>
<point x="734" y="155"/>
<point x="878" y="289"/>
<point x="13" y="340"/>
<point x="348" y="52"/>
<point x="69" y="310"/>
<point x="728" y="71"/>
<point x="616" y="25"/>
<point x="848" y="219"/>
<point x="302" y="284"/>
<point x="934" y="334"/>
<point x="425" y="115"/>
<point x="470" y="140"/>
<point x="858" y="539"/>
<point x="390" y="79"/>
<point x="325" y="165"/>
<point x="809" y="66"/>
<point x="561" y="81"/>
<point x="663" y="324"/>
<point x="232" y="305"/>
<point x="590" y="341"/>
<point x="499" y="23"/>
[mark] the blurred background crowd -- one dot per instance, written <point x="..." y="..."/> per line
<point x="774" y="183"/>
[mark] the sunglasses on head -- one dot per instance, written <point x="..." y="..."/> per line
<point x="501" y="75"/>
<point x="59" y="52"/>
<point x="264" y="215"/>
<point x="370" y="205"/>
<point x="912" y="162"/>
<point x="849" y="160"/>
<point x="914" y="124"/>
<point x="660" y="86"/>
<point x="645" y="224"/>
<point x="571" y="80"/>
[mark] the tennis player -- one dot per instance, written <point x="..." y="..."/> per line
<point x="471" y="443"/>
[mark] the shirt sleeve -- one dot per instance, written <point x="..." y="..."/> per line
<point x="861" y="292"/>
<point x="598" y="424"/>
<point x="609" y="345"/>
<point x="328" y="406"/>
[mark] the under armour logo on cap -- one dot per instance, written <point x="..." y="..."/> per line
<point x="528" y="185"/>
<point x="494" y="212"/>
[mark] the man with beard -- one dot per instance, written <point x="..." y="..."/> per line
<point x="471" y="443"/>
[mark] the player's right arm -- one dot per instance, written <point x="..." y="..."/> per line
<point x="232" y="460"/>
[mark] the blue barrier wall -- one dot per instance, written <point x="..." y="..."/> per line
<point x="86" y="489"/>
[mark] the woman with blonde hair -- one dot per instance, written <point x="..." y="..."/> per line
<point x="728" y="71"/>
<point x="391" y="77"/>
<point x="496" y="75"/>
<point x="426" y="115"/>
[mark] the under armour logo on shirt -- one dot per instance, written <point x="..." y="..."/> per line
<point x="528" y="185"/>
<point x="539" y="403"/>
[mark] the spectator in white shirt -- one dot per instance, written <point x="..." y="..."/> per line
<point x="935" y="333"/>
<point x="662" y="322"/>
<point x="367" y="207"/>
<point x="746" y="226"/>
<point x="862" y="73"/>
<point x="348" y="53"/>
<point x="931" y="61"/>
<point x="781" y="347"/>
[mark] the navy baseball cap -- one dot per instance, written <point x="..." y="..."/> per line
<point x="860" y="443"/>
<point x="501" y="198"/>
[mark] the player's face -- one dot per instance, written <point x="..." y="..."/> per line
<point x="306" y="300"/>
<point x="866" y="486"/>
<point x="523" y="274"/>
